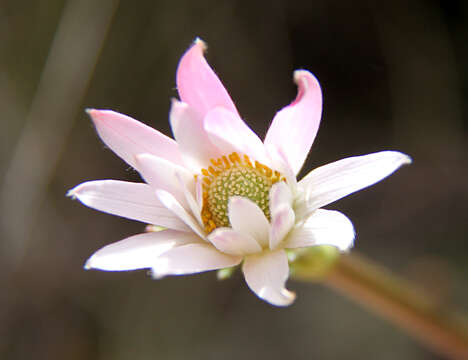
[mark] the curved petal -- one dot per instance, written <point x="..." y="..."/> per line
<point x="128" y="137"/>
<point x="231" y="242"/>
<point x="266" y="275"/>
<point x="280" y="195"/>
<point x="162" y="174"/>
<point x="197" y="83"/>
<point x="333" y="181"/>
<point x="138" y="251"/>
<point x="231" y="134"/>
<point x="282" y="222"/>
<point x="247" y="218"/>
<point x="323" y="227"/>
<point x="192" y="258"/>
<point x="171" y="203"/>
<point x="294" y="127"/>
<point x="136" y="201"/>
<point x="189" y="131"/>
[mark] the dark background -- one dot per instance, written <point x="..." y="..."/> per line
<point x="394" y="76"/>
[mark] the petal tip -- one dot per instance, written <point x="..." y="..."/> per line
<point x="200" y="44"/>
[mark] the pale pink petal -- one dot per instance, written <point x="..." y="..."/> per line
<point x="128" y="137"/>
<point x="136" y="201"/>
<point x="192" y="258"/>
<point x="171" y="203"/>
<point x="189" y="131"/>
<point x="282" y="222"/>
<point x="294" y="128"/>
<point x="162" y="174"/>
<point x="266" y="274"/>
<point x="247" y="218"/>
<point x="198" y="85"/>
<point x="231" y="134"/>
<point x="323" y="227"/>
<point x="280" y="195"/>
<point x="232" y="242"/>
<point x="138" y="251"/>
<point x="333" y="181"/>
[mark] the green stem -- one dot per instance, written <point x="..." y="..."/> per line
<point x="394" y="299"/>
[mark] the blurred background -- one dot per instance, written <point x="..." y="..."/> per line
<point x="394" y="76"/>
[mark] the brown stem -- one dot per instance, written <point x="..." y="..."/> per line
<point x="398" y="302"/>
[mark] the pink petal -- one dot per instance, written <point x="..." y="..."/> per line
<point x="231" y="134"/>
<point x="282" y="222"/>
<point x="266" y="274"/>
<point x="138" y="251"/>
<point x="247" y="218"/>
<point x="198" y="85"/>
<point x="192" y="258"/>
<point x="128" y="137"/>
<point x="136" y="201"/>
<point x="333" y="181"/>
<point x="231" y="242"/>
<point x="162" y="174"/>
<point x="323" y="227"/>
<point x="170" y="202"/>
<point x="294" y="128"/>
<point x="194" y="143"/>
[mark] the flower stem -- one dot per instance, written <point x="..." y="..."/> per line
<point x="394" y="299"/>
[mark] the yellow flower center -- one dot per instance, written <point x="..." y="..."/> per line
<point x="234" y="176"/>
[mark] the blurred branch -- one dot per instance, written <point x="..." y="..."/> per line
<point x="395" y="300"/>
<point x="69" y="67"/>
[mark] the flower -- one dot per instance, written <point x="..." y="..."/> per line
<point x="222" y="196"/>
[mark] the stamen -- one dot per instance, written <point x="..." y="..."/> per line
<point x="230" y="176"/>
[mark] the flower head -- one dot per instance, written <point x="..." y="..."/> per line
<point x="222" y="196"/>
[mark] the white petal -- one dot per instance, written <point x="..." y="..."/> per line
<point x="281" y="223"/>
<point x="192" y="258"/>
<point x="323" y="227"/>
<point x="193" y="204"/>
<point x="266" y="274"/>
<point x="231" y="134"/>
<point x="189" y="131"/>
<point x="136" y="201"/>
<point x="280" y="195"/>
<point x="173" y="205"/>
<point x="162" y="174"/>
<point x="138" y="251"/>
<point x="333" y="181"/>
<point x="128" y="137"/>
<point x="247" y="218"/>
<point x="231" y="242"/>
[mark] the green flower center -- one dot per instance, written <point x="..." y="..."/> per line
<point x="232" y="176"/>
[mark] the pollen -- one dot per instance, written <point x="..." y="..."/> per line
<point x="234" y="175"/>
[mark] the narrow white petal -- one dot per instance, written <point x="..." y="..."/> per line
<point x="138" y="251"/>
<point x="231" y="242"/>
<point x="192" y="258"/>
<point x="280" y="195"/>
<point x="323" y="227"/>
<point x="266" y="275"/>
<point x="193" y="204"/>
<point x="173" y="205"/>
<point x="333" y="181"/>
<point x="136" y="201"/>
<point x="282" y="222"/>
<point x="247" y="218"/>
<point x="162" y="174"/>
